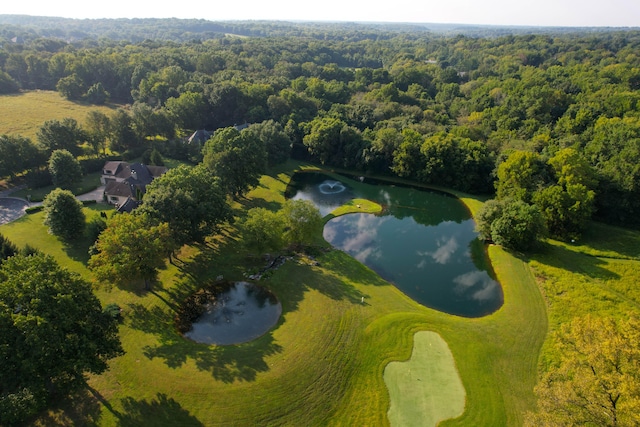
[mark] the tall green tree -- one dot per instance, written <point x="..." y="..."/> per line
<point x="490" y="211"/>
<point x="71" y="87"/>
<point x="596" y="381"/>
<point x="18" y="154"/>
<point x="520" y="175"/>
<point x="379" y="157"/>
<point x="274" y="138"/>
<point x="568" y="204"/>
<point x="188" y="111"/>
<point x="98" y="127"/>
<point x="456" y="162"/>
<point x="130" y="249"/>
<point x="565" y="210"/>
<point x="150" y="122"/>
<point x="237" y="158"/>
<point x="62" y="135"/>
<point x="123" y="136"/>
<point x="97" y="94"/>
<point x="190" y="200"/>
<point x="614" y="151"/>
<point x="7" y="249"/>
<point x="65" y="170"/>
<point x="53" y="331"/>
<point x="63" y="215"/>
<point x="7" y="84"/>
<point x="263" y="230"/>
<point x="511" y="223"/>
<point x="408" y="160"/>
<point x="302" y="220"/>
<point x="323" y="138"/>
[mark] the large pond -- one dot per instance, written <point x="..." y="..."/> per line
<point x="240" y="314"/>
<point x="424" y="242"/>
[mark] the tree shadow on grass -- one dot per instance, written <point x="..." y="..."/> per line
<point x="85" y="411"/>
<point x="161" y="411"/>
<point x="257" y="202"/>
<point x="223" y="257"/>
<point x="612" y="241"/>
<point x="576" y="262"/>
<point x="290" y="283"/>
<point x="78" y="250"/>
<point x="333" y="278"/>
<point x="225" y="363"/>
<point x="82" y="408"/>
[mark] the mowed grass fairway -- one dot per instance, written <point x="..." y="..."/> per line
<point x="323" y="364"/>
<point x="24" y="113"/>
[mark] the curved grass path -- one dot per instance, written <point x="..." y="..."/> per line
<point x="323" y="364"/>
<point x="425" y="389"/>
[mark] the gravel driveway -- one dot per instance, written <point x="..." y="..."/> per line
<point x="11" y="209"/>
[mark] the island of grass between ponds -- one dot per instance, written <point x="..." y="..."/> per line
<point x="355" y="206"/>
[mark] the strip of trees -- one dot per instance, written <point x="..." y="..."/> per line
<point x="441" y="110"/>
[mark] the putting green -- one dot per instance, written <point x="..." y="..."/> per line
<point x="426" y="389"/>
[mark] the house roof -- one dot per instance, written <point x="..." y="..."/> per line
<point x="115" y="168"/>
<point x="120" y="189"/>
<point x="128" y="205"/>
<point x="139" y="172"/>
<point x="156" y="171"/>
<point x="200" y="136"/>
<point x="135" y="177"/>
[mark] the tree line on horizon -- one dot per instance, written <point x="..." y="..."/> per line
<point x="438" y="110"/>
<point x="548" y="124"/>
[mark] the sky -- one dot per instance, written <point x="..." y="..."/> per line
<point x="566" y="13"/>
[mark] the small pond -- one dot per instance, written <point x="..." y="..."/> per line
<point x="241" y="313"/>
<point x="424" y="242"/>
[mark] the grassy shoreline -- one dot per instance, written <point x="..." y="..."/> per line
<point x="323" y="363"/>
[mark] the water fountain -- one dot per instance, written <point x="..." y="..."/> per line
<point x="331" y="187"/>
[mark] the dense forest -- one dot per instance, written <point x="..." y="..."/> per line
<point x="551" y="120"/>
<point x="542" y="123"/>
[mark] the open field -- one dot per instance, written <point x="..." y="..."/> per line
<point x="598" y="275"/>
<point x="24" y="113"/>
<point x="324" y="361"/>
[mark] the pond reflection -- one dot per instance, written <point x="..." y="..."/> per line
<point x="240" y="314"/>
<point x="327" y="194"/>
<point x="422" y="244"/>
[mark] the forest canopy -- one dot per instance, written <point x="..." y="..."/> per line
<point x="396" y="100"/>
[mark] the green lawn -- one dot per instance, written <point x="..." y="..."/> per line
<point x="323" y="363"/>
<point x="598" y="275"/>
<point x="24" y="113"/>
<point x="88" y="183"/>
